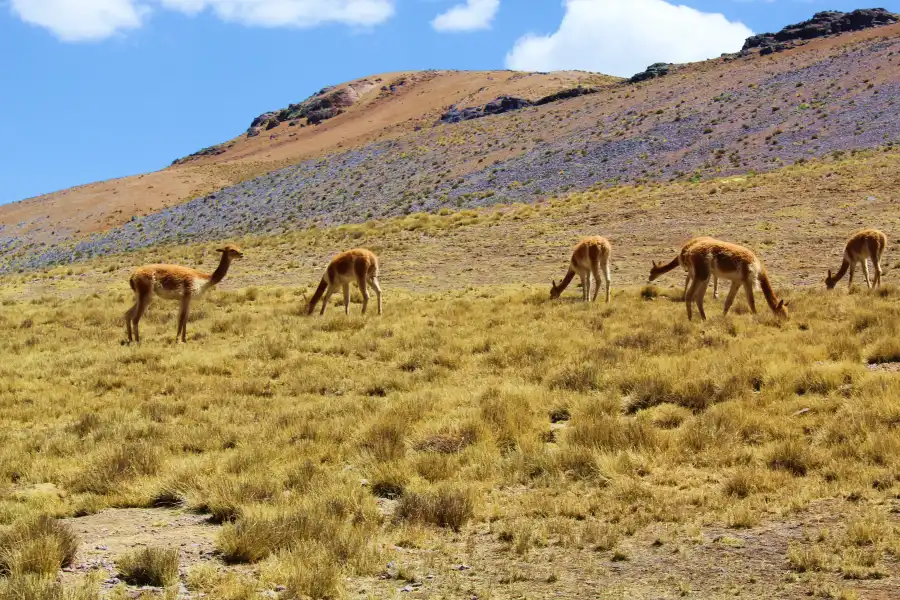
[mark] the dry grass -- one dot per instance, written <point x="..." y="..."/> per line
<point x="150" y="566"/>
<point x="484" y="415"/>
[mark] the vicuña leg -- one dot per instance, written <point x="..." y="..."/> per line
<point x="606" y="277"/>
<point x="585" y="285"/>
<point x="331" y="289"/>
<point x="715" y="287"/>
<point x="597" y="280"/>
<point x="129" y="317"/>
<point x="143" y="301"/>
<point x="364" y="290"/>
<point x="751" y="302"/>
<point x="687" y="285"/>
<point x="852" y="270"/>
<point x="183" y="318"/>
<point x="700" y="296"/>
<point x="377" y="286"/>
<point x="732" y="294"/>
<point x="346" y="298"/>
<point x="689" y="297"/>
<point x="865" y="270"/>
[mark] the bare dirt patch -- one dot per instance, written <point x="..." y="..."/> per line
<point x="109" y="534"/>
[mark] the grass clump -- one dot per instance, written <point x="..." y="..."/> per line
<point x="149" y="566"/>
<point x="444" y="507"/>
<point x="37" y="546"/>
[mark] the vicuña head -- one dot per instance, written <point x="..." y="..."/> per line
<point x="174" y="282"/>
<point x="657" y="270"/>
<point x="589" y="258"/>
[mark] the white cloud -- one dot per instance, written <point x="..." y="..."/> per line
<point x="622" y="37"/>
<point x="471" y="16"/>
<point x="81" y="20"/>
<point x="294" y="13"/>
<point x="89" y="20"/>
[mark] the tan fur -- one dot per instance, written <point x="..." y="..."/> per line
<point x="735" y="263"/>
<point x="865" y="244"/>
<point x="358" y="265"/>
<point x="590" y="257"/>
<point x="173" y="282"/>
<point x="681" y="260"/>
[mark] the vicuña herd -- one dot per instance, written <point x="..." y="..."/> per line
<point x="702" y="258"/>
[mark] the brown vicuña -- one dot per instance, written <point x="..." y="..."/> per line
<point x="174" y="282"/>
<point x="865" y="244"/>
<point x="735" y="263"/>
<point x="590" y="257"/>
<point x="681" y="261"/>
<point x="359" y="265"/>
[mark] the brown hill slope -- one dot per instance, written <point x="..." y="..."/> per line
<point x="738" y="113"/>
<point x="375" y="116"/>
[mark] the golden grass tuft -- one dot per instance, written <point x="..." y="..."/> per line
<point x="36" y="546"/>
<point x="149" y="566"/>
<point x="444" y="507"/>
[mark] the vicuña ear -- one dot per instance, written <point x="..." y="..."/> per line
<point x="781" y="304"/>
<point x="554" y="283"/>
<point x="654" y="265"/>
<point x="787" y="303"/>
<point x="220" y="250"/>
<point x="829" y="274"/>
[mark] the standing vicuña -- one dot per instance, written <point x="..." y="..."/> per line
<point x="591" y="256"/>
<point x="868" y="243"/>
<point x="681" y="261"/>
<point x="359" y="265"/>
<point x="735" y="263"/>
<point x="173" y="282"/>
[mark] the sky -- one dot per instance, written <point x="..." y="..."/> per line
<point x="96" y="89"/>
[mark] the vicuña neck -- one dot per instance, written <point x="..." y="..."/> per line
<point x="845" y="266"/>
<point x="666" y="268"/>
<point x="767" y="290"/>
<point x="222" y="270"/>
<point x="566" y="281"/>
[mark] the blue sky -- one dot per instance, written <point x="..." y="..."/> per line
<point x="85" y="98"/>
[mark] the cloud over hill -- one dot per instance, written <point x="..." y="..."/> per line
<point x="621" y="37"/>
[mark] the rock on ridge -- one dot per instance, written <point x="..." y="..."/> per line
<point x="823" y="23"/>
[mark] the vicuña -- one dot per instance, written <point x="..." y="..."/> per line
<point x="359" y="265"/>
<point x="174" y="282"/>
<point x="590" y="257"/>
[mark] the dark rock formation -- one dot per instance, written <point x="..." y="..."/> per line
<point x="566" y="94"/>
<point x="652" y="72"/>
<point x="314" y="117"/>
<point x="253" y="132"/>
<point x="327" y="103"/>
<point x="505" y="104"/>
<point x="494" y="107"/>
<point x="822" y="24"/>
<point x="211" y="151"/>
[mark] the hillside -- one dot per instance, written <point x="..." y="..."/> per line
<point x="417" y="99"/>
<point x="745" y="112"/>
<point x="478" y="439"/>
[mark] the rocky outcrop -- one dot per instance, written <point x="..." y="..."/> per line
<point x="497" y="106"/>
<point x="325" y="104"/>
<point x="505" y="104"/>
<point x="823" y="23"/>
<point x="566" y="94"/>
<point x="211" y="151"/>
<point x="652" y="72"/>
